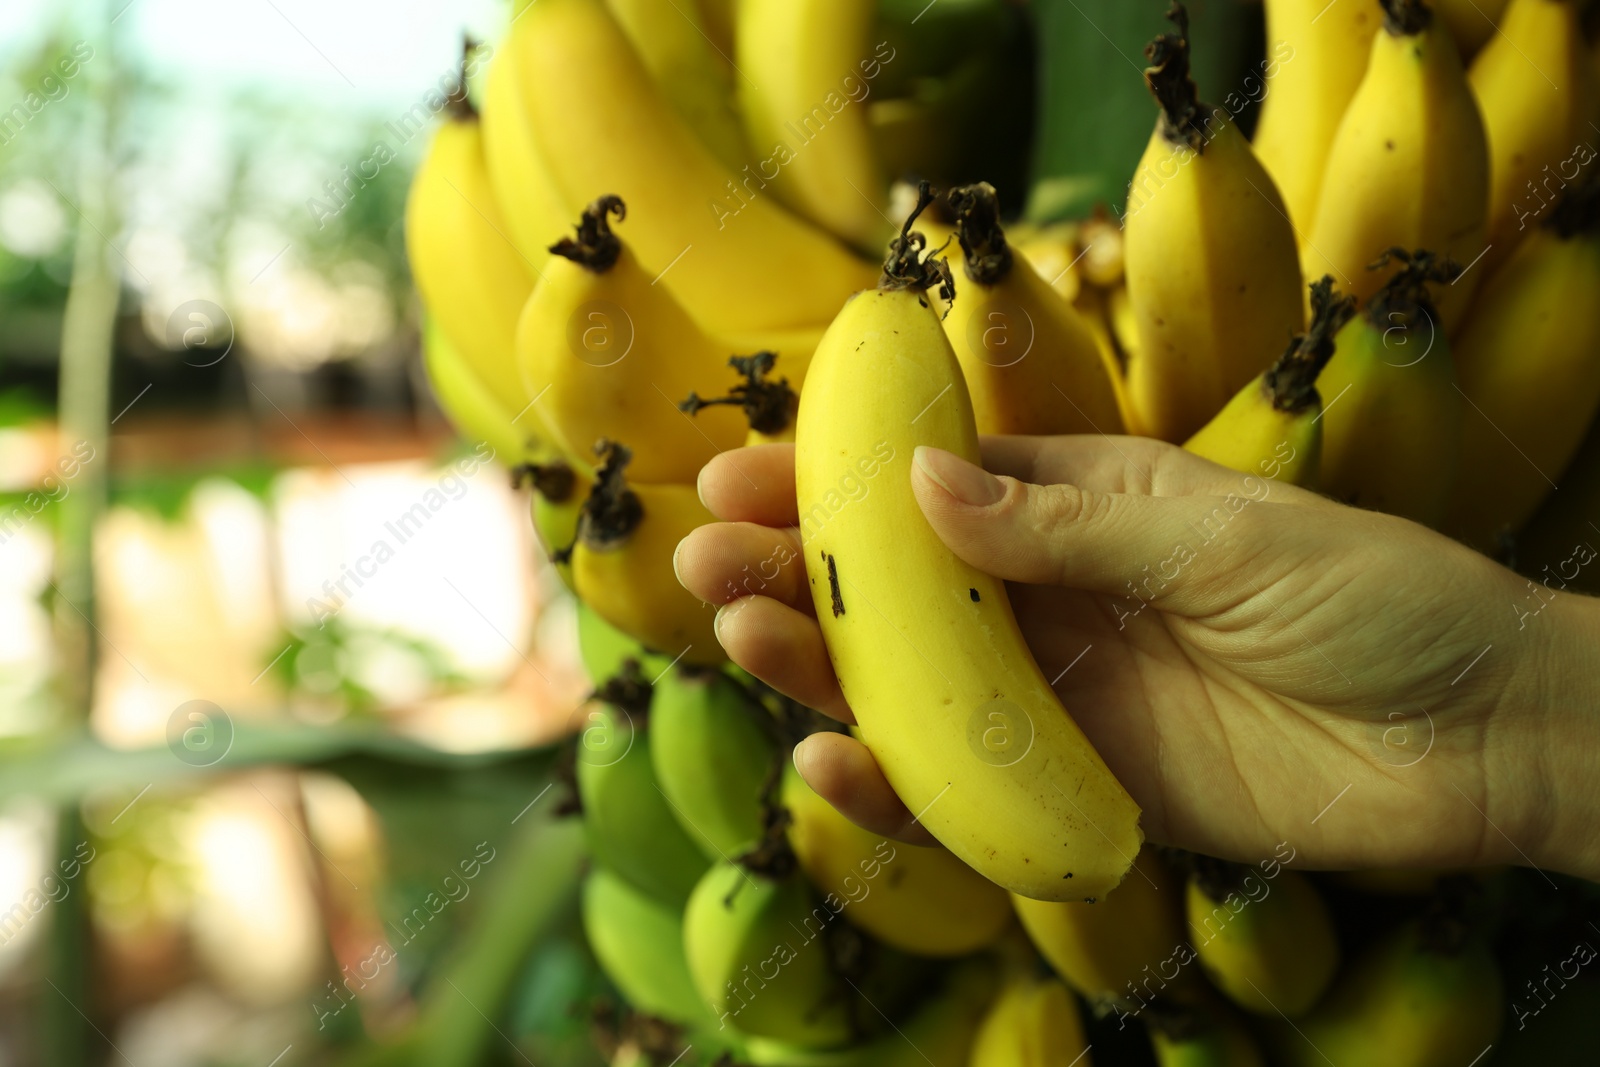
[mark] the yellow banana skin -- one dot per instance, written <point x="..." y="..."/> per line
<point x="1270" y="954"/>
<point x="1526" y="362"/>
<point x="927" y="651"/>
<point x="1128" y="946"/>
<point x="1535" y="89"/>
<point x="638" y="942"/>
<point x="1421" y="1007"/>
<point x="1033" y="1023"/>
<point x="622" y="563"/>
<point x="1271" y="428"/>
<point x="798" y="55"/>
<point x="471" y="278"/>
<point x="685" y="65"/>
<point x="920" y="900"/>
<point x="470" y="406"/>
<point x="1316" y="54"/>
<point x="1212" y="274"/>
<point x="745" y="267"/>
<point x="534" y="210"/>
<point x="1391" y="428"/>
<point x="1409" y="165"/>
<point x="1031" y="364"/>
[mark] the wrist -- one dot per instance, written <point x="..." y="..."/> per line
<point x="1565" y="772"/>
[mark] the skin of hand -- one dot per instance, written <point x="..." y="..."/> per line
<point x="1255" y="662"/>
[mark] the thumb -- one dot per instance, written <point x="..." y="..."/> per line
<point x="1175" y="551"/>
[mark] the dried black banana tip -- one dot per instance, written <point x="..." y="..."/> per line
<point x="1292" y="380"/>
<point x="983" y="241"/>
<point x="554" y="481"/>
<point x="458" y="104"/>
<point x="612" y="511"/>
<point x="628" y="689"/>
<point x="905" y="267"/>
<point x="768" y="405"/>
<point x="596" y="247"/>
<point x="1405" y="18"/>
<point x="1405" y="300"/>
<point x="1172" y="85"/>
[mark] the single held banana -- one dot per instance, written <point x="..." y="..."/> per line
<point x="946" y="694"/>
<point x="920" y="900"/>
<point x="716" y="239"/>
<point x="631" y="829"/>
<point x="608" y="354"/>
<point x="638" y="942"/>
<point x="1535" y="88"/>
<point x="469" y="404"/>
<point x="770" y="959"/>
<point x="1031" y="364"/>
<point x="770" y="406"/>
<point x="714" y="754"/>
<point x="688" y="71"/>
<point x="1424" y="998"/>
<point x="1033" y="1023"/>
<point x="472" y="280"/>
<point x="622" y="562"/>
<point x="1391" y="429"/>
<point x="1526" y="362"/>
<point x="1269" y="946"/>
<point x="1127" y="948"/>
<point x="1316" y="54"/>
<point x="1272" y="427"/>
<point x="806" y="61"/>
<point x="1409" y="165"/>
<point x="535" y="212"/>
<point x="1213" y="279"/>
<point x="559" y="490"/>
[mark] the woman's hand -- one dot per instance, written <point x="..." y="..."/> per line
<point x="1255" y="662"/>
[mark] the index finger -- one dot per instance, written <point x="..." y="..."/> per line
<point x="754" y="484"/>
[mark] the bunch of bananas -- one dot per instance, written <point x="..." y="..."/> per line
<point x="665" y="232"/>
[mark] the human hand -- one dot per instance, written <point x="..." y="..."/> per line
<point x="1256" y="663"/>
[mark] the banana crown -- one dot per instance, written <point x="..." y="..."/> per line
<point x="1292" y="379"/>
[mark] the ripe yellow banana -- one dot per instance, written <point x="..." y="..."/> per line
<point x="920" y="900"/>
<point x="1033" y="1023"/>
<point x="470" y="406"/>
<point x="622" y="562"/>
<point x="1127" y="947"/>
<point x="631" y="829"/>
<point x="1213" y="279"/>
<point x="1535" y="89"/>
<point x="1272" y="953"/>
<point x="1526" y="362"/>
<point x="1031" y="364"/>
<point x="945" y="692"/>
<point x="1316" y="54"/>
<point x="695" y="79"/>
<point x="534" y="210"/>
<point x="1391" y="424"/>
<point x="730" y="254"/>
<point x="610" y="355"/>
<point x="1471" y="22"/>
<point x="472" y="280"/>
<point x="638" y="942"/>
<point x="1272" y="427"/>
<point x="714" y="754"/>
<point x="1420" y="999"/>
<point x="559" y="491"/>
<point x="1409" y="165"/>
<point x="803" y="98"/>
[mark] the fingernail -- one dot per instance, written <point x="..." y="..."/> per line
<point x="676" y="552"/>
<point x="967" y="482"/>
<point x="795" y="756"/>
<point x="716" y="620"/>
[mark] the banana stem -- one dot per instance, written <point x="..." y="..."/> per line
<point x="1172" y="85"/>
<point x="1405" y="18"/>
<point x="458" y="104"/>
<point x="769" y="406"/>
<point x="983" y="241"/>
<point x="596" y="247"/>
<point x="1404" y="299"/>
<point x="905" y="267"/>
<point x="553" y="481"/>
<point x="629" y="690"/>
<point x="612" y="511"/>
<point x="1292" y="380"/>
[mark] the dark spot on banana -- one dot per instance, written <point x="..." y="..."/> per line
<point x="833" y="586"/>
<point x="973" y="593"/>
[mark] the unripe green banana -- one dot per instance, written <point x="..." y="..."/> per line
<point x="603" y="649"/>
<point x="630" y="827"/>
<point x="559" y="490"/>
<point x="1273" y="953"/>
<point x="713" y="757"/>
<point x="638" y="941"/>
<point x="1209" y="1035"/>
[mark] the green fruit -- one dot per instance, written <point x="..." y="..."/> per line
<point x="639" y="943"/>
<point x="603" y="649"/>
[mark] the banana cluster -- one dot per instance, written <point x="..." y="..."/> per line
<point x="669" y="229"/>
